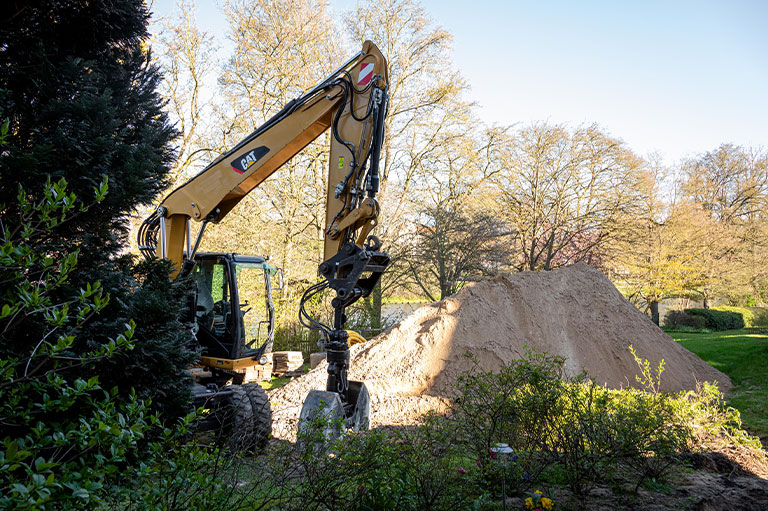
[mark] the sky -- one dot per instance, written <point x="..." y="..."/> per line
<point x="674" y="77"/>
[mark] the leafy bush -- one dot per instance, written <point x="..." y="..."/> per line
<point x="562" y="431"/>
<point x="746" y="315"/>
<point x="676" y="319"/>
<point x="760" y="316"/>
<point x="408" y="468"/>
<point x="514" y="406"/>
<point x="63" y="436"/>
<point x="582" y="432"/>
<point x="719" y="319"/>
<point x="66" y="440"/>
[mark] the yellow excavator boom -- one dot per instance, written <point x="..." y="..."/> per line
<point x="350" y="100"/>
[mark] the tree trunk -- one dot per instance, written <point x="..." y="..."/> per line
<point x="655" y="312"/>
<point x="376" y="307"/>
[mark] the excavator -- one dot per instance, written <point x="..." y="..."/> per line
<point x="352" y="102"/>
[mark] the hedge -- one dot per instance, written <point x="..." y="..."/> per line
<point x="760" y="315"/>
<point x="719" y="319"/>
<point x="746" y="314"/>
<point x="675" y="319"/>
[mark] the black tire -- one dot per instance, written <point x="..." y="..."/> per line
<point x="251" y="418"/>
<point x="262" y="414"/>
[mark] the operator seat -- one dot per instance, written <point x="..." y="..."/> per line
<point x="204" y="299"/>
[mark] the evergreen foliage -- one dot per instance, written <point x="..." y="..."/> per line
<point x="79" y="91"/>
<point x="746" y="315"/>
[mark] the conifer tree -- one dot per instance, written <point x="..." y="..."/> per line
<point x="78" y="88"/>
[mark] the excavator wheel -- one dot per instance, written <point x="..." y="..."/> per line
<point x="251" y="418"/>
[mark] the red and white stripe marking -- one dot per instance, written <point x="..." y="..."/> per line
<point x="366" y="73"/>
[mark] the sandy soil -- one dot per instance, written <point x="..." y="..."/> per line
<point x="575" y="312"/>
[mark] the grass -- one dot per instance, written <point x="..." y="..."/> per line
<point x="276" y="383"/>
<point x="743" y="356"/>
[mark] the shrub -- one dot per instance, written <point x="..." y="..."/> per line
<point x="676" y="319"/>
<point x="760" y="316"/>
<point x="719" y="319"/>
<point x="563" y="430"/>
<point x="569" y="426"/>
<point x="515" y="406"/>
<point x="747" y="316"/>
<point x="68" y="441"/>
<point x="408" y="468"/>
<point x="63" y="436"/>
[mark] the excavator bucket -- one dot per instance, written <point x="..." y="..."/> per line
<point x="325" y="413"/>
<point x="361" y="412"/>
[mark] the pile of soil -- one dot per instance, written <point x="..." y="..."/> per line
<point x="574" y="312"/>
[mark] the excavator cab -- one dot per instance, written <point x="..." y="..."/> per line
<point x="234" y="313"/>
<point x="234" y="322"/>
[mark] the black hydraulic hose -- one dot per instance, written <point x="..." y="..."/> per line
<point x="284" y="112"/>
<point x="147" y="236"/>
<point x="351" y="100"/>
<point x="335" y="125"/>
<point x="311" y="322"/>
<point x="378" y="140"/>
<point x="347" y="86"/>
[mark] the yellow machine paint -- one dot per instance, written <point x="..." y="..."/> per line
<point x="215" y="191"/>
<point x="352" y="102"/>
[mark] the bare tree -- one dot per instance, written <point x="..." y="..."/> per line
<point x="186" y="55"/>
<point x="457" y="236"/>
<point x="455" y="245"/>
<point x="731" y="183"/>
<point x="563" y="192"/>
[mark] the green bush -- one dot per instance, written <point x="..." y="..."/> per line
<point x="674" y="320"/>
<point x="759" y="316"/>
<point x="67" y="440"/>
<point x="747" y="315"/>
<point x="570" y="431"/>
<point x="719" y="319"/>
<point x="407" y="468"/>
<point x="564" y="431"/>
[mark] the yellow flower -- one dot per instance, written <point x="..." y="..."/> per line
<point x="547" y="503"/>
<point x="529" y="503"/>
<point x="537" y="491"/>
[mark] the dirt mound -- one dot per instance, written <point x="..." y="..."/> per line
<point x="575" y="312"/>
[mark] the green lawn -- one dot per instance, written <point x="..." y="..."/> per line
<point x="276" y="383"/>
<point x="743" y="356"/>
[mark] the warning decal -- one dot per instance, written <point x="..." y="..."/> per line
<point x="366" y="73"/>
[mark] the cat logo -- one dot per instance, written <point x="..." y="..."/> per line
<point x="242" y="163"/>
